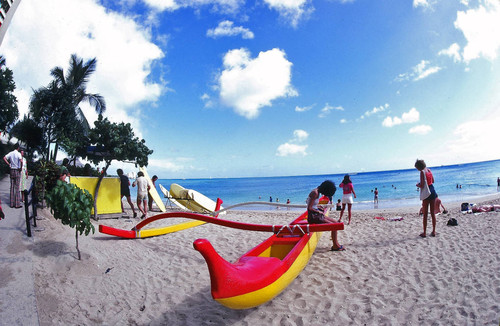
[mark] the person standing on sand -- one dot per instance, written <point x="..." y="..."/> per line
<point x="125" y="190"/>
<point x="14" y="160"/>
<point x="142" y="193"/>
<point x="150" y="198"/>
<point x="348" y="192"/>
<point x="24" y="177"/>
<point x="427" y="179"/>
<point x="375" y="198"/>
<point x="315" y="215"/>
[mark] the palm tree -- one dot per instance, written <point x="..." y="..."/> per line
<point x="76" y="80"/>
<point x="57" y="107"/>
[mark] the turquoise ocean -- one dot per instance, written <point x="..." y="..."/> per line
<point x="397" y="188"/>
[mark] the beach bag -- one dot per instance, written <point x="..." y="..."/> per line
<point x="452" y="222"/>
<point x="464" y="207"/>
<point x="425" y="191"/>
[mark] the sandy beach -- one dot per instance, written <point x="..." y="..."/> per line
<point x="388" y="275"/>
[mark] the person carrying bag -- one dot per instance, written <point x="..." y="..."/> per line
<point x="427" y="195"/>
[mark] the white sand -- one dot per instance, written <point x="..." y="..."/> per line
<point x="387" y="276"/>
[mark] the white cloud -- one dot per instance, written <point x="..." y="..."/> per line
<point x="227" y="28"/>
<point x="408" y="117"/>
<point x="37" y="43"/>
<point x="161" y="5"/>
<point x="420" y="130"/>
<point x="294" y="146"/>
<point x="300" y="135"/>
<point x="325" y="111"/>
<point x="420" y="71"/>
<point x="375" y="110"/>
<point x="288" y="149"/>
<point x="411" y="116"/>
<point x="390" y="122"/>
<point x="248" y="85"/>
<point x="453" y="51"/>
<point x="222" y="6"/>
<point x="481" y="28"/>
<point x="421" y="3"/>
<point x="292" y="11"/>
<point x="343" y="121"/>
<point x="207" y="100"/>
<point x="303" y="109"/>
<point x="468" y="144"/>
<point x="167" y="164"/>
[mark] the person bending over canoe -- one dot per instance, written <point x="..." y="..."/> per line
<point x="316" y="215"/>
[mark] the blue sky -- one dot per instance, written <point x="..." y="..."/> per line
<point x="228" y="88"/>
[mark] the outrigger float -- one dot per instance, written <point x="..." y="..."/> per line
<point x="137" y="232"/>
<point x="263" y="272"/>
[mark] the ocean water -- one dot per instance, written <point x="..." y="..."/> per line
<point x="396" y="188"/>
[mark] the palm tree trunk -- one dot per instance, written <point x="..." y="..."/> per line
<point x="56" y="149"/>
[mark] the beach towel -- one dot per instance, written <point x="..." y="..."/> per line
<point x="425" y="191"/>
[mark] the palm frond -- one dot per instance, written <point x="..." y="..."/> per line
<point x="98" y="102"/>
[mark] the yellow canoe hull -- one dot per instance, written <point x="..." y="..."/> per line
<point x="256" y="298"/>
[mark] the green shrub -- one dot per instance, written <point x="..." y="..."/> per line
<point x="72" y="206"/>
<point x="47" y="173"/>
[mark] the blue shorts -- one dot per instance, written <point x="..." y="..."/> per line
<point x="433" y="194"/>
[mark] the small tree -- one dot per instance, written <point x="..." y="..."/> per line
<point x="47" y="173"/>
<point x="72" y="206"/>
<point x="115" y="141"/>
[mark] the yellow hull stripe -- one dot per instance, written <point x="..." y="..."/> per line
<point x="168" y="229"/>
<point x="256" y="298"/>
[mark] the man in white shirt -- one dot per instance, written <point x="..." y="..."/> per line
<point x="142" y="193"/>
<point x="15" y="161"/>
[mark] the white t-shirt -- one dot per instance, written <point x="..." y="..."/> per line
<point x="15" y="159"/>
<point x="142" y="186"/>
